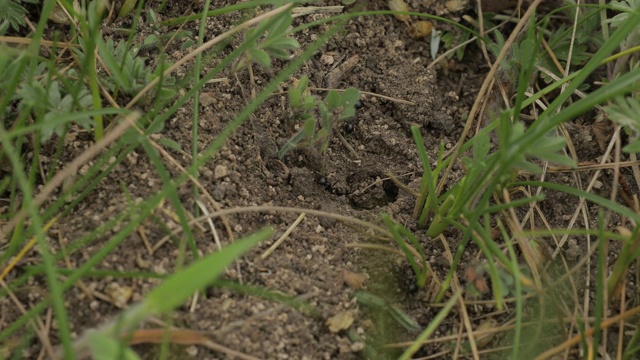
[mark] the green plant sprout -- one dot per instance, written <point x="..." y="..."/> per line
<point x="12" y="12"/>
<point x="129" y="72"/>
<point x="275" y="44"/>
<point x="624" y="111"/>
<point x="304" y="107"/>
<point x="58" y="101"/>
<point x="450" y="40"/>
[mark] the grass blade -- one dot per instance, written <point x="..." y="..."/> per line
<point x="442" y="314"/>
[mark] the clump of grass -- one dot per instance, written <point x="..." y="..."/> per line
<point x="89" y="92"/>
<point x="482" y="198"/>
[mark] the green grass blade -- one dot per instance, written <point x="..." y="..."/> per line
<point x="424" y="203"/>
<point x="433" y="325"/>
<point x="518" y="294"/>
<point x="172" y="193"/>
<point x="176" y="289"/>
<point x="398" y="232"/>
<point x="622" y="210"/>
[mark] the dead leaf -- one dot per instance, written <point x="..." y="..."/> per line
<point x="353" y="280"/>
<point x="484" y="339"/>
<point x="340" y="321"/>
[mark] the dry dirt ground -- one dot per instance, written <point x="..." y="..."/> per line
<point x="375" y="54"/>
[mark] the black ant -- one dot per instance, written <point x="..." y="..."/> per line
<point x="322" y="180"/>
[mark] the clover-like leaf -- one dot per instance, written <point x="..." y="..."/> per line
<point x="333" y="99"/>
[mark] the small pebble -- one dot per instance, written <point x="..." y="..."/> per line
<point x="220" y="171"/>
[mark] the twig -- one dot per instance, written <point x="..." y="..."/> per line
<point x="283" y="237"/>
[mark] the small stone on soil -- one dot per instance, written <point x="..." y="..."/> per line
<point x="220" y="171"/>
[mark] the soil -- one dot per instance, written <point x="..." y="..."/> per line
<point x="318" y="262"/>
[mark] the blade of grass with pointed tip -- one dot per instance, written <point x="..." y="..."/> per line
<point x="176" y="289"/>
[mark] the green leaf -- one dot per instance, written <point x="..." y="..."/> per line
<point x="633" y="147"/>
<point x="434" y="45"/>
<point x="325" y="113"/>
<point x="350" y="97"/>
<point x="560" y="159"/>
<point x="168" y="143"/>
<point x="481" y="146"/>
<point x="303" y="83"/>
<point x="151" y="40"/>
<point x="126" y="8"/>
<point x="108" y="56"/>
<point x="177" y="288"/>
<point x="348" y="113"/>
<point x="12" y="12"/>
<point x="53" y="93"/>
<point x="333" y="99"/>
<point x="155" y="127"/>
<point x="291" y="144"/>
<point x="283" y="43"/>
<point x="400" y="234"/>
<point x="309" y="127"/>
<point x="260" y="56"/>
<point x="279" y="28"/>
<point x="186" y="44"/>
<point x="152" y="17"/>
<point x="381" y="305"/>
<point x="530" y="167"/>
<point x="106" y="348"/>
<point x="309" y="102"/>
<point x="624" y="111"/>
<point x="278" y="53"/>
<point x="402" y="318"/>
<point x="295" y="98"/>
<point x="324" y="139"/>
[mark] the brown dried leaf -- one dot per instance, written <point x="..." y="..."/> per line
<point x="340" y="321"/>
<point x="484" y="339"/>
<point x="353" y="280"/>
<point x="455" y="5"/>
<point x="399" y="5"/>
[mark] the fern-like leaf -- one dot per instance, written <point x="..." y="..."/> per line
<point x="12" y="12"/>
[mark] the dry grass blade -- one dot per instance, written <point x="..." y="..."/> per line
<point x="25" y="249"/>
<point x="40" y="329"/>
<point x="310" y="10"/>
<point x="284" y="236"/>
<point x="395" y="100"/>
<point x="347" y="219"/>
<point x="27" y="41"/>
<point x="180" y="337"/>
<point x="589" y="332"/>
